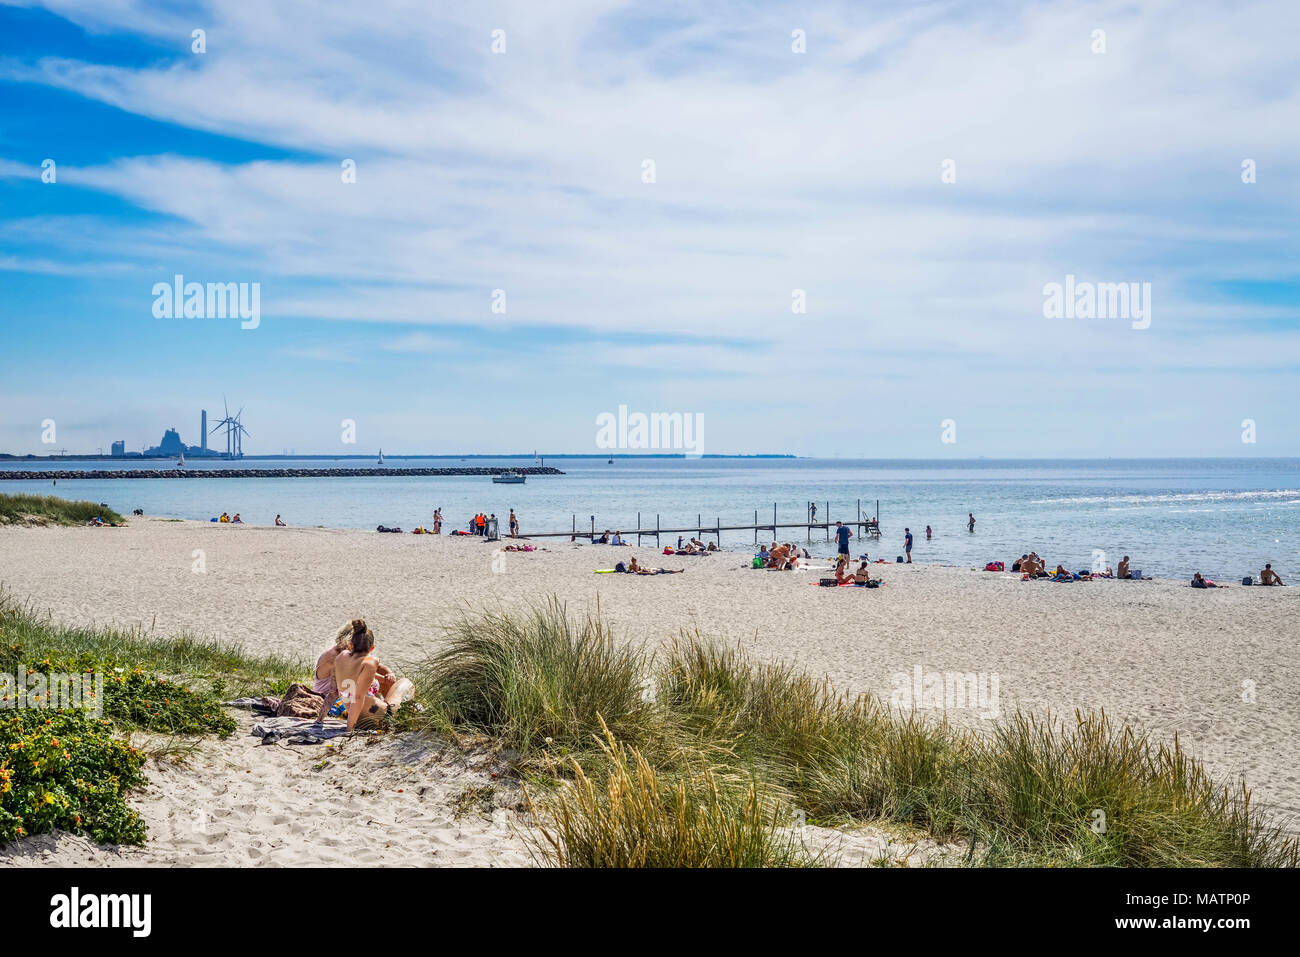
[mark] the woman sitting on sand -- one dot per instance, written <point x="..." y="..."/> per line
<point x="842" y="569"/>
<point x="359" y="668"/>
<point x="324" y="684"/>
<point x="863" y="574"/>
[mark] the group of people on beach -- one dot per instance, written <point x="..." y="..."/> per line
<point x="480" y="524"/>
<point x="349" y="664"/>
<point x="783" y="557"/>
<point x="225" y="519"/>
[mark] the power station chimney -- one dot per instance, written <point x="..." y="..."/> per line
<point x="203" y="431"/>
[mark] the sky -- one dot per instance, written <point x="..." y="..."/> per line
<point x="816" y="228"/>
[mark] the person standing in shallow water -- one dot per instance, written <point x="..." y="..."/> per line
<point x="971" y="523"/>
<point x="514" y="525"/>
<point x="842" y="536"/>
<point x="928" y="533"/>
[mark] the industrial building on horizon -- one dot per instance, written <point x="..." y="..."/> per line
<point x="171" y="444"/>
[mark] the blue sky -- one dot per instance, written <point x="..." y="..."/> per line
<point x="775" y="171"/>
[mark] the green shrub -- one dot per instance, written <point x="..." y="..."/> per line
<point x="66" y="770"/>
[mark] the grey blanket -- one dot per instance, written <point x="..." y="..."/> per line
<point x="298" y="730"/>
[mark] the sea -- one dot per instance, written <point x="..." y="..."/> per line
<point x="1223" y="517"/>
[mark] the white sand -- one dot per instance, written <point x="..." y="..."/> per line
<point x="1158" y="655"/>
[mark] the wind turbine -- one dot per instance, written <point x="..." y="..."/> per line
<point x="240" y="432"/>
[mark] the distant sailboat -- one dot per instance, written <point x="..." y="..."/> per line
<point x="381" y="456"/>
<point x="181" y="463"/>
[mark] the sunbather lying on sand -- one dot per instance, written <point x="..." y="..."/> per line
<point x="636" y="569"/>
<point x="1199" y="582"/>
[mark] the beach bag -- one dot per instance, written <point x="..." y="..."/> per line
<point x="898" y="560"/>
<point x="1248" y="580"/>
<point x="1136" y="575"/>
<point x="828" y="583"/>
<point x="758" y="562"/>
<point x="668" y="550"/>
<point x="874" y="583"/>
<point x="994" y="567"/>
<point x="299" y="702"/>
<point x="620" y="567"/>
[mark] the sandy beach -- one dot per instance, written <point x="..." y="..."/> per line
<point x="1219" y="668"/>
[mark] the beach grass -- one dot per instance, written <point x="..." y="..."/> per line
<point x="540" y="683"/>
<point x="625" y="813"/>
<point x="638" y="750"/>
<point x="49" y="510"/>
<point x="32" y="637"/>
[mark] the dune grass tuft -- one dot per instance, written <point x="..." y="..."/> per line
<point x="536" y="681"/>
<point x="51" y="510"/>
<point x="627" y="814"/>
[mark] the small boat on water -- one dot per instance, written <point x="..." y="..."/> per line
<point x="510" y="478"/>
<point x="381" y="456"/>
<point x="181" y="463"/>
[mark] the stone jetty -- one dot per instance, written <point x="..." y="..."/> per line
<point x="200" y="473"/>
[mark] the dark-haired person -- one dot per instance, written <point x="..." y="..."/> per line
<point x="842" y="536"/>
<point x="358" y="668"/>
<point x="279" y="522"/>
<point x="1123" y="568"/>
<point x="323" y="683"/>
<point x="971" y="521"/>
<point x="907" y="544"/>
<point x="1270" y="577"/>
<point x="863" y="574"/>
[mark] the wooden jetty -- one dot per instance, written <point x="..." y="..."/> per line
<point x="862" y="526"/>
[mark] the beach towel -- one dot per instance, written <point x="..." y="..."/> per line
<point x="298" y="730"/>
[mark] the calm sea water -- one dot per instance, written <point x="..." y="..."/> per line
<point x="1224" y="517"/>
